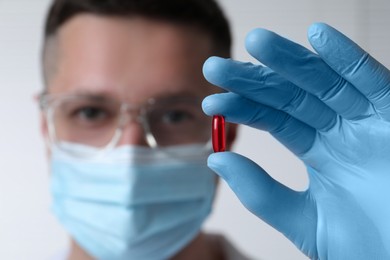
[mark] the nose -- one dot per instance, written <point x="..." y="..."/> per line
<point x="133" y="134"/>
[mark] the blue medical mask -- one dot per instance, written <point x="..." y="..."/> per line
<point x="132" y="202"/>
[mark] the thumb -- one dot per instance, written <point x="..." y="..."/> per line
<point x="290" y="212"/>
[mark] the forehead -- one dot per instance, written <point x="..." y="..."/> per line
<point x="133" y="59"/>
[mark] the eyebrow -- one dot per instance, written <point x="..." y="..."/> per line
<point x="92" y="93"/>
<point x="97" y="95"/>
<point x="104" y="95"/>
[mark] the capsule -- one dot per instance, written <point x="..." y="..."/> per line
<point x="218" y="134"/>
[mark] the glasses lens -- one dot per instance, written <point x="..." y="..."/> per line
<point x="85" y="120"/>
<point x="178" y="122"/>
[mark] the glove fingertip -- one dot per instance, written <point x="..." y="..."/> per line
<point x="217" y="104"/>
<point x="207" y="105"/>
<point x="213" y="161"/>
<point x="213" y="70"/>
<point x="213" y="104"/>
<point x="217" y="163"/>
<point x="316" y="34"/>
<point x="258" y="43"/>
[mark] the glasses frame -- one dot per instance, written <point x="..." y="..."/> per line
<point x="48" y="103"/>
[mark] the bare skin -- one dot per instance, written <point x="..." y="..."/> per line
<point x="204" y="246"/>
<point x="132" y="60"/>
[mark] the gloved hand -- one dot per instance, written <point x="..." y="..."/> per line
<point x="331" y="109"/>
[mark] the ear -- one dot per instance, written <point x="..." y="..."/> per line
<point x="45" y="133"/>
<point x="44" y="128"/>
<point x="231" y="134"/>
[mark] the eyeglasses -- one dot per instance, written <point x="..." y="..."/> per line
<point x="99" y="121"/>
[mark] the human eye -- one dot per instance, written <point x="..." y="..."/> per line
<point x="89" y="115"/>
<point x="176" y="116"/>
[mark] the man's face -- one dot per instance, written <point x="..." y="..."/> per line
<point x="129" y="60"/>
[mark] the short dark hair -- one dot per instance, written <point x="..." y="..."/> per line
<point x="206" y="15"/>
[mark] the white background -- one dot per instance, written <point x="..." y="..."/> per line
<point x="27" y="228"/>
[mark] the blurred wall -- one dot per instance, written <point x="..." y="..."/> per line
<point x="27" y="228"/>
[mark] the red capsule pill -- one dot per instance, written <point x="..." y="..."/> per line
<point x="218" y="134"/>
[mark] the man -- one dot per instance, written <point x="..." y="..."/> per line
<point x="122" y="118"/>
<point x="120" y="80"/>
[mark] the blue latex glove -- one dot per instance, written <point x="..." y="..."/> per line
<point x="331" y="109"/>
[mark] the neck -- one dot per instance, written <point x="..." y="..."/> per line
<point x="77" y="253"/>
<point x="202" y="247"/>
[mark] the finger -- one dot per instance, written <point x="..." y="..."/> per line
<point x="264" y="86"/>
<point x="290" y="212"/>
<point x="307" y="71"/>
<point x="295" y="135"/>
<point x="355" y="65"/>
